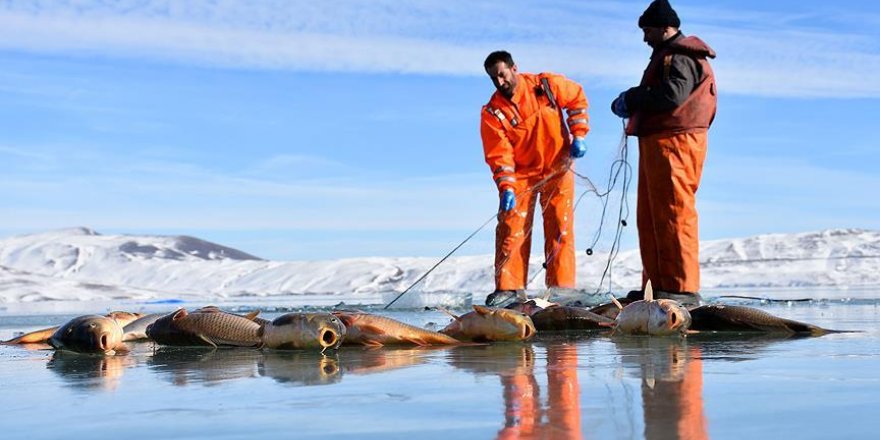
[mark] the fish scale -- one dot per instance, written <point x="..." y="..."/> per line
<point x="222" y="328"/>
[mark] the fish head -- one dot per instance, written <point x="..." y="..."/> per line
<point x="307" y="329"/>
<point x="89" y="334"/>
<point x="653" y="317"/>
<point x="346" y="318"/>
<point x="166" y="326"/>
<point x="328" y="329"/>
<point x="677" y="318"/>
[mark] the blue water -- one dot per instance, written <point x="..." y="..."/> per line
<point x="560" y="386"/>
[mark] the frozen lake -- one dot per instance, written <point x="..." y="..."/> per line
<point x="583" y="386"/>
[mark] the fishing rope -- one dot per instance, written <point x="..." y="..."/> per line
<point x="566" y="164"/>
<point x="619" y="167"/>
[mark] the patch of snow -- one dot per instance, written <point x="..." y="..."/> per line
<point x="78" y="264"/>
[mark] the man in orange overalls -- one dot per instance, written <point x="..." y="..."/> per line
<point x="529" y="149"/>
<point x="670" y="111"/>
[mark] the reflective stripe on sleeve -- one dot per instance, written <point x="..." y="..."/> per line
<point x="575" y="121"/>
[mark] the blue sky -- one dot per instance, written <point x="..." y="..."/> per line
<point x="306" y="130"/>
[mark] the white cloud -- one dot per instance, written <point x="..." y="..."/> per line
<point x="760" y="53"/>
<point x="115" y="189"/>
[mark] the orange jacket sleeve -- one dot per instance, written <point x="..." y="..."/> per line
<point x="570" y="96"/>
<point x="498" y="150"/>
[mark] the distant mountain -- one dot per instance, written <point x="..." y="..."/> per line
<point x="80" y="264"/>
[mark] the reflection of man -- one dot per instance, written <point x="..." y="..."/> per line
<point x="670" y="111"/>
<point x="673" y="405"/>
<point x="522" y="406"/>
<point x="528" y="149"/>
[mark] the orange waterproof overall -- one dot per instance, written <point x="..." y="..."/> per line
<point x="672" y="148"/>
<point x="527" y="148"/>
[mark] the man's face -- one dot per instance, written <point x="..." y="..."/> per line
<point x="654" y="35"/>
<point x="504" y="78"/>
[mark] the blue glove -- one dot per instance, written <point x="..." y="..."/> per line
<point x="578" y="147"/>
<point x="618" y="107"/>
<point x="508" y="200"/>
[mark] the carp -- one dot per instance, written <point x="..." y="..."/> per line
<point x="561" y="318"/>
<point x="89" y="334"/>
<point x="206" y="326"/>
<point x="486" y="324"/>
<point x="303" y="330"/>
<point x="42" y="336"/>
<point x="374" y="330"/>
<point x="661" y="317"/>
<point x="719" y="317"/>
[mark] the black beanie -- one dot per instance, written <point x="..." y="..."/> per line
<point x="659" y="14"/>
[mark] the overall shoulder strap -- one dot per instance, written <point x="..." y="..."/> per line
<point x="545" y="85"/>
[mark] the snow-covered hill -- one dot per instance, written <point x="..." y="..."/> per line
<point x="80" y="264"/>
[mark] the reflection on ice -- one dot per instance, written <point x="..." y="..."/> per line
<point x="90" y="371"/>
<point x="187" y="365"/>
<point x="300" y="368"/>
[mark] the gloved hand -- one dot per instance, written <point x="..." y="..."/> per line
<point x="508" y="200"/>
<point x="578" y="147"/>
<point x="618" y="107"/>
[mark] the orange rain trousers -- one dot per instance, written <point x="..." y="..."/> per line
<point x="513" y="236"/>
<point x="670" y="167"/>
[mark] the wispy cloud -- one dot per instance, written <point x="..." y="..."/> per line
<point x="761" y="52"/>
<point x="103" y="188"/>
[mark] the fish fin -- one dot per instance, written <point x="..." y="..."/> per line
<point x="649" y="291"/>
<point x="204" y="338"/>
<point x="34" y="337"/>
<point x="122" y="349"/>
<point x="372" y="342"/>
<point x="179" y="313"/>
<point x="417" y="341"/>
<point x="691" y="332"/>
<point x="482" y="310"/>
<point x="616" y="302"/>
<point x="546" y="295"/>
<point x="372" y="329"/>
<point x="606" y="324"/>
<point x="448" y="313"/>
<point x="252" y="315"/>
